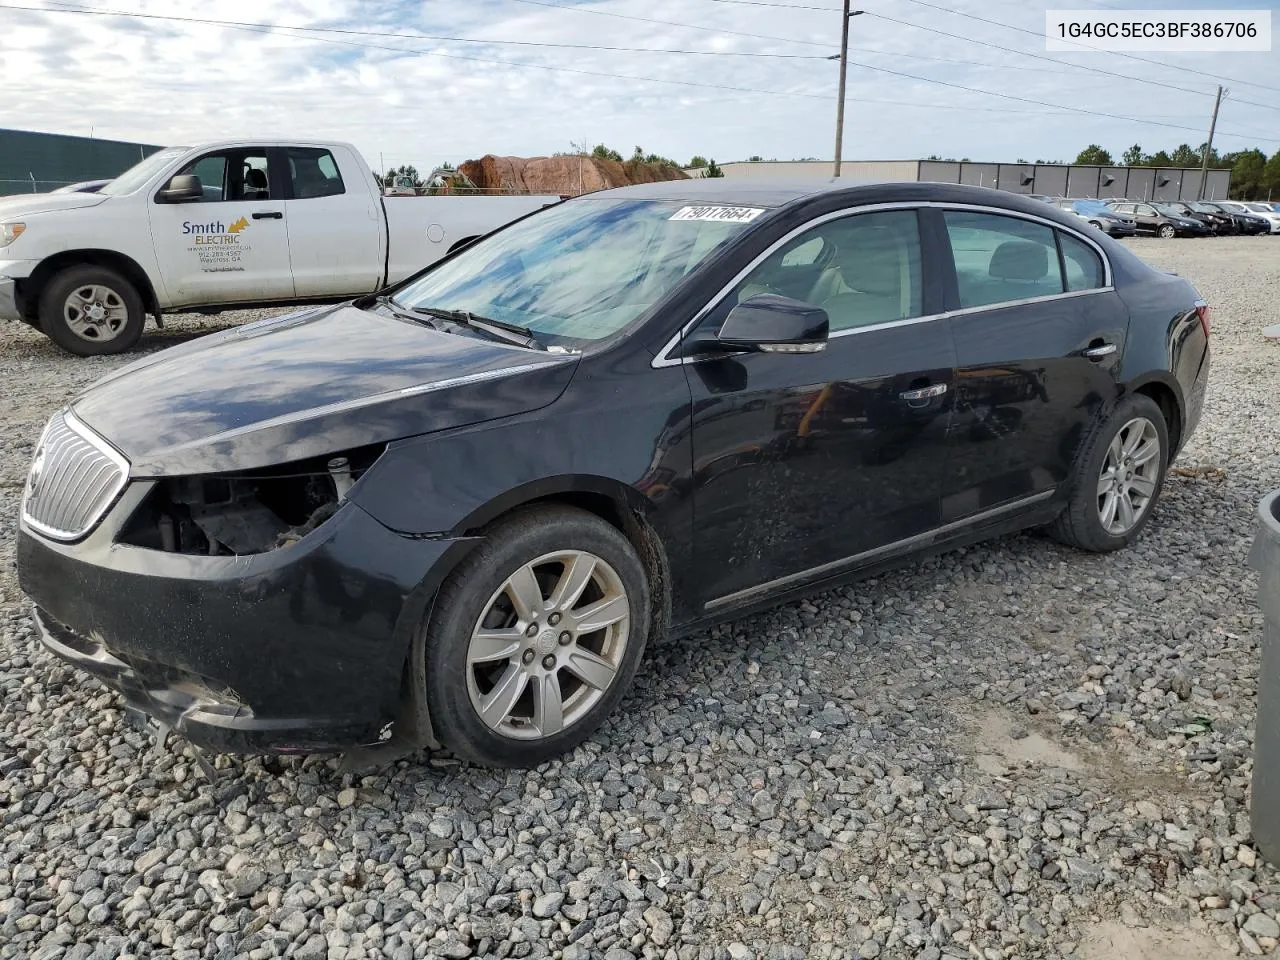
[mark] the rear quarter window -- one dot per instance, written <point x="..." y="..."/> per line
<point x="1083" y="266"/>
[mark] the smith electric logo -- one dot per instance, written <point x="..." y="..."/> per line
<point x="215" y="232"/>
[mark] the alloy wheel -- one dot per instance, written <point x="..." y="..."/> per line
<point x="95" y="312"/>
<point x="1167" y="232"/>
<point x="1130" y="472"/>
<point x="548" y="645"/>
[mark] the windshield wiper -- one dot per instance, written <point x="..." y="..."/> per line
<point x="509" y="332"/>
<point x="391" y="303"/>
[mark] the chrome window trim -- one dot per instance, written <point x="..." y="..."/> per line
<point x="663" y="358"/>
<point x="81" y="429"/>
<point x="834" y="566"/>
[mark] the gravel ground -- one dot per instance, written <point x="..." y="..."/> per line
<point x="977" y="757"/>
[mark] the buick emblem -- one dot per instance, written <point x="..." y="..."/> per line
<point x="33" y="478"/>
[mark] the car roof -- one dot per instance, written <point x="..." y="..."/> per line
<point x="731" y="192"/>
<point x="785" y="191"/>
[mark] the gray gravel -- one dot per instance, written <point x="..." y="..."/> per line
<point x="1014" y="750"/>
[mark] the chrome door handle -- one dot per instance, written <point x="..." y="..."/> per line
<point x="1097" y="353"/>
<point x="924" y="393"/>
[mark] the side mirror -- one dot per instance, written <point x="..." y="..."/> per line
<point x="768" y="323"/>
<point x="182" y="188"/>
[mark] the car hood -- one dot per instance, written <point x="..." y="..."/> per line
<point x="24" y="205"/>
<point x="310" y="384"/>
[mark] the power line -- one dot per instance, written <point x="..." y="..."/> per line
<point x="1010" y="26"/>
<point x="1042" y="103"/>
<point x="1128" y="56"/>
<point x="409" y="36"/>
<point x="670" y="23"/>
<point x="269" y="28"/>
<point x="1037" y="56"/>
<point x="780" y="6"/>
<point x="258" y="28"/>
<point x="966" y="63"/>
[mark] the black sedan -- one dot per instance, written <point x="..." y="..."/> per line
<point x="1158" y="219"/>
<point x="1245" y="222"/>
<point x="1217" y="222"/>
<point x="454" y="514"/>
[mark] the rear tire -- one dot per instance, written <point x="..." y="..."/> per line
<point x="91" y="311"/>
<point x="518" y="671"/>
<point x="1117" y="479"/>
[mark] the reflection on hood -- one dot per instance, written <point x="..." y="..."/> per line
<point x="310" y="384"/>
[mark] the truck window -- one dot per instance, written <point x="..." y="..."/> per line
<point x="314" y="173"/>
<point x="257" y="183"/>
<point x="211" y="170"/>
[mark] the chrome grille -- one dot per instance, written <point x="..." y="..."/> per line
<point x="75" y="476"/>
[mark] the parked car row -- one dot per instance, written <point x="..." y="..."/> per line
<point x="1174" y="218"/>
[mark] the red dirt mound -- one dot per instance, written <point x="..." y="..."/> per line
<point x="563" y="174"/>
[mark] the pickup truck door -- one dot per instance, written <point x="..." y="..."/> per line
<point x="335" y="224"/>
<point x="234" y="245"/>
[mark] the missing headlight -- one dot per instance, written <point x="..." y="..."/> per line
<point x="236" y="514"/>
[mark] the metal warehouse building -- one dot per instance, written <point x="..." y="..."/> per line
<point x="33" y="162"/>
<point x="1050" y="179"/>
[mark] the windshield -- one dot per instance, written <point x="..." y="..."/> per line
<point x="137" y="175"/>
<point x="1258" y="207"/>
<point x="1204" y="208"/>
<point x="582" y="270"/>
<point x="1167" y="210"/>
<point x="1092" y="206"/>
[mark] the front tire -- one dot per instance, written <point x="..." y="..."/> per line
<point x="1117" y="480"/>
<point x="91" y="311"/>
<point x="535" y="638"/>
<point x="1167" y="232"/>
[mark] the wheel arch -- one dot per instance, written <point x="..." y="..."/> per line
<point x="125" y="265"/>
<point x="616" y="503"/>
<point x="1167" y="394"/>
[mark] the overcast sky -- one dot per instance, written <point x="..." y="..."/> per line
<point x="425" y="101"/>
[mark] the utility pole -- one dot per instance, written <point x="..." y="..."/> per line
<point x="844" y="65"/>
<point x="1208" y="147"/>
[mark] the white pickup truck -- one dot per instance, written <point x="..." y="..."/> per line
<point x="228" y="224"/>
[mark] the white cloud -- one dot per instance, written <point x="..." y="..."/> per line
<point x="165" y="82"/>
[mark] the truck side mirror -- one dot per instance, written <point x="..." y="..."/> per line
<point x="182" y="188"/>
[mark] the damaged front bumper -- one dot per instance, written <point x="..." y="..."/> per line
<point x="299" y="650"/>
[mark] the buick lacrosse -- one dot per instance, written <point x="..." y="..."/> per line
<point x="452" y="514"/>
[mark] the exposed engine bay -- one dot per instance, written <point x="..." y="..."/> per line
<point x="246" y="513"/>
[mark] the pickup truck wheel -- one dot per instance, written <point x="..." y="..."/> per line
<point x="90" y="311"/>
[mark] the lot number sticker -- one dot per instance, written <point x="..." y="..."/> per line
<point x="720" y="214"/>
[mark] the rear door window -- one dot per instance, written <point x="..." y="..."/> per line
<point x="1000" y="259"/>
<point x="314" y="173"/>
